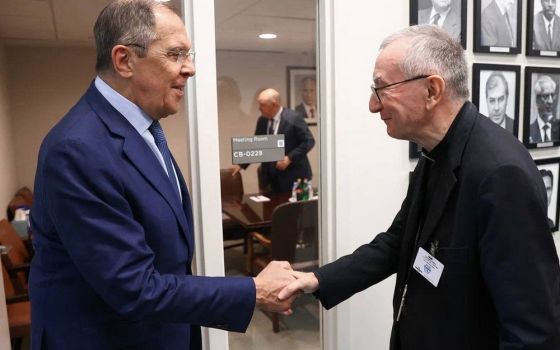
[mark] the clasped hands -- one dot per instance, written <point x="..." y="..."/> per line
<point x="278" y="285"/>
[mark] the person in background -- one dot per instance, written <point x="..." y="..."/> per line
<point x="476" y="266"/>
<point x="445" y="14"/>
<point x="308" y="107"/>
<point x="548" y="179"/>
<point x="546" y="28"/>
<point x="298" y="141"/>
<point x="497" y="22"/>
<point x="546" y="126"/>
<point x="497" y="94"/>
<point x="112" y="218"/>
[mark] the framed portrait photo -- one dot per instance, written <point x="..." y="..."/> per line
<point x="302" y="92"/>
<point x="495" y="92"/>
<point x="449" y="15"/>
<point x="497" y="26"/>
<point x="541" y="125"/>
<point x="550" y="170"/>
<point x="543" y="29"/>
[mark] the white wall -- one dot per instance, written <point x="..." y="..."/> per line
<point x="7" y="164"/>
<point x="372" y="169"/>
<point x="252" y="72"/>
<point x="43" y="83"/>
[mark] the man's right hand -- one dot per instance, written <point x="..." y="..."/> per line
<point x="306" y="282"/>
<point x="268" y="283"/>
<point x="235" y="169"/>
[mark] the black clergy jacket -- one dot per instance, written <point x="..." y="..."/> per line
<point x="487" y="224"/>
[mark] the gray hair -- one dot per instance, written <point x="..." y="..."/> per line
<point x="125" y="22"/>
<point x="493" y="81"/>
<point x="543" y="80"/>
<point x="433" y="51"/>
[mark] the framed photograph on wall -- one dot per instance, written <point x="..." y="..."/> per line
<point x="497" y="26"/>
<point x="543" y="28"/>
<point x="550" y="170"/>
<point x="541" y="125"/>
<point x="450" y="15"/>
<point x="302" y="92"/>
<point x="495" y="92"/>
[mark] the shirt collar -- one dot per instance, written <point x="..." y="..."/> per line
<point x="442" y="15"/>
<point x="277" y="116"/>
<point x="547" y="22"/>
<point x="134" y="114"/>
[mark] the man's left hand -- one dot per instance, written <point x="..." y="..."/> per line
<point x="283" y="164"/>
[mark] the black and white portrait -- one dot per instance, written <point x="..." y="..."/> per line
<point x="549" y="170"/>
<point x="543" y="32"/>
<point x="541" y="106"/>
<point x="496" y="94"/>
<point x="446" y="14"/>
<point x="497" y="26"/>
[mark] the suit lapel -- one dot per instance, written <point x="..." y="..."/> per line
<point x="139" y="153"/>
<point x="445" y="170"/>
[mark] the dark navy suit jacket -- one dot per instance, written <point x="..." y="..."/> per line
<point x="500" y="286"/>
<point x="114" y="245"/>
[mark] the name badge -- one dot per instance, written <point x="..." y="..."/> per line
<point x="428" y="266"/>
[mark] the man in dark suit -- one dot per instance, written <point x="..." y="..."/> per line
<point x="446" y="14"/>
<point x="298" y="141"/>
<point x="497" y="94"/>
<point x="548" y="180"/>
<point x="307" y="109"/>
<point x="112" y="219"/>
<point x="475" y="212"/>
<point x="498" y="24"/>
<point x="545" y="127"/>
<point x="546" y="28"/>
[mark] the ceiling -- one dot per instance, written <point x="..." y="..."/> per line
<point x="238" y="23"/>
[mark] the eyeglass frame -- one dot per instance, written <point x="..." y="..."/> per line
<point x="181" y="54"/>
<point x="374" y="90"/>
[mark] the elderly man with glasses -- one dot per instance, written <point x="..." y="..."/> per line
<point x="112" y="219"/>
<point x="545" y="127"/>
<point x="475" y="263"/>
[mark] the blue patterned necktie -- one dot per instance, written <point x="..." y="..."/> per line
<point x="159" y="137"/>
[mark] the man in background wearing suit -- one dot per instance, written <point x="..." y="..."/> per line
<point x="298" y="141"/>
<point x="307" y="109"/>
<point x="548" y="180"/>
<point x="497" y="24"/>
<point x="475" y="262"/>
<point x="545" y="127"/>
<point x="497" y="94"/>
<point x="445" y="14"/>
<point x="112" y="219"/>
<point x="546" y="28"/>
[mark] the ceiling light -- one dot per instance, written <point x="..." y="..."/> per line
<point x="268" y="36"/>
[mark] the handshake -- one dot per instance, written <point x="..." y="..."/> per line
<point x="278" y="285"/>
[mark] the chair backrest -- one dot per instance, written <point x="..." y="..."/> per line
<point x="23" y="198"/>
<point x="231" y="186"/>
<point x="9" y="237"/>
<point x="295" y="224"/>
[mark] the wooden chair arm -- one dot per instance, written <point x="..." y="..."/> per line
<point x="17" y="298"/>
<point x="262" y="239"/>
<point x="18" y="267"/>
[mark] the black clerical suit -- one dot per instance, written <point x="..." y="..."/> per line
<point x="485" y="219"/>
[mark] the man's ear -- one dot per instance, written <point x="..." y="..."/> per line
<point x="122" y="60"/>
<point x="436" y="91"/>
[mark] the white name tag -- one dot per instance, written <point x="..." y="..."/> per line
<point x="428" y="266"/>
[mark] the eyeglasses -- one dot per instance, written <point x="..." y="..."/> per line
<point x="375" y="90"/>
<point x="546" y="97"/>
<point x="176" y="55"/>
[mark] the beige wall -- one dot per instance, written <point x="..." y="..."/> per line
<point x="43" y="84"/>
<point x="7" y="164"/>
